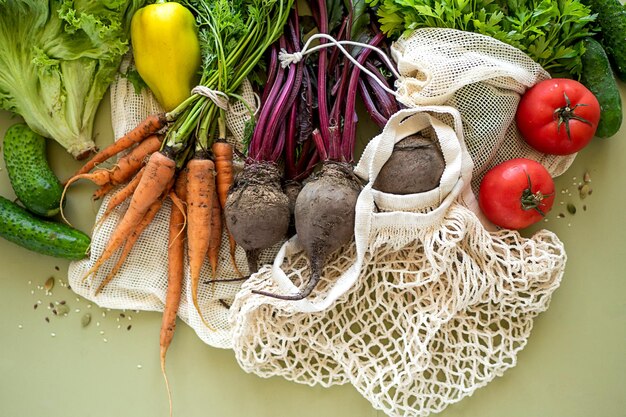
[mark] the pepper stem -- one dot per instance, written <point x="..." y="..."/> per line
<point x="565" y="114"/>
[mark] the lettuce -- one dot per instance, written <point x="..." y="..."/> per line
<point x="57" y="59"/>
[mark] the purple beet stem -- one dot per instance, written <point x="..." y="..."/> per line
<point x="350" y="118"/>
<point x="370" y="107"/>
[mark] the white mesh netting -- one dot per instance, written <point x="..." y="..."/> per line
<point x="422" y="309"/>
<point x="141" y="283"/>
<point x="481" y="77"/>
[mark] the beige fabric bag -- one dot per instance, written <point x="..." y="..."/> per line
<point x="141" y="284"/>
<point x="424" y="308"/>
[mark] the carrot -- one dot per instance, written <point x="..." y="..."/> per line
<point x="124" y="193"/>
<point x="128" y="165"/>
<point x="159" y="172"/>
<point x="200" y="192"/>
<point x="147" y="127"/>
<point x="215" y="240"/>
<point x="130" y="242"/>
<point x="223" y="155"/>
<point x="102" y="191"/>
<point x="175" y="273"/>
<point x="99" y="177"/>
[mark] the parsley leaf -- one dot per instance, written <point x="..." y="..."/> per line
<point x="549" y="31"/>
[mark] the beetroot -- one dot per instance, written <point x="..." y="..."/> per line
<point x="325" y="207"/>
<point x="324" y="216"/>
<point x="257" y="211"/>
<point x="257" y="226"/>
<point x="415" y="166"/>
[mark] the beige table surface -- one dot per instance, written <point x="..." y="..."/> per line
<point x="573" y="366"/>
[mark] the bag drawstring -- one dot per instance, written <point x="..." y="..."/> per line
<point x="287" y="58"/>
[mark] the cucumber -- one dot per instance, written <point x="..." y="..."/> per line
<point x="33" y="181"/>
<point x="43" y="236"/>
<point x="612" y="20"/>
<point x="598" y="78"/>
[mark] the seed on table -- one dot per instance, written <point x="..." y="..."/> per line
<point x="571" y="208"/>
<point x="85" y="320"/>
<point x="49" y="284"/>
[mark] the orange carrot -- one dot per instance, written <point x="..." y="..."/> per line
<point x="128" y="165"/>
<point x="223" y="155"/>
<point x="158" y="174"/>
<point x="215" y="240"/>
<point x="130" y="242"/>
<point x="98" y="177"/>
<point x="200" y="192"/>
<point x="124" y="193"/>
<point x="224" y="173"/>
<point x="175" y="273"/>
<point x="147" y="127"/>
<point x="102" y="191"/>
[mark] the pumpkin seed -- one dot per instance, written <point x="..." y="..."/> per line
<point x="85" y="320"/>
<point x="49" y="285"/>
<point x="584" y="191"/>
<point x="571" y="208"/>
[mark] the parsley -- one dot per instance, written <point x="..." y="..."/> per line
<point x="549" y="31"/>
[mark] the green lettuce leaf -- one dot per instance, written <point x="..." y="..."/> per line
<point x="57" y="59"/>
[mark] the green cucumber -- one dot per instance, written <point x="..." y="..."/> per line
<point x="612" y="20"/>
<point x="598" y="78"/>
<point x="33" y="181"/>
<point x="43" y="236"/>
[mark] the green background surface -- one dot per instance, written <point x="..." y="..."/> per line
<point x="574" y="364"/>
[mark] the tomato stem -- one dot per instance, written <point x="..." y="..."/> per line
<point x="565" y="114"/>
<point x="532" y="201"/>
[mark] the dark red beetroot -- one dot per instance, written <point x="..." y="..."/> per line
<point x="325" y="207"/>
<point x="257" y="210"/>
<point x="415" y="166"/>
<point x="324" y="216"/>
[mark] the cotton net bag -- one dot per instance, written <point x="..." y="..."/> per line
<point x="481" y="77"/>
<point x="141" y="283"/>
<point x="438" y="306"/>
<point x="426" y="305"/>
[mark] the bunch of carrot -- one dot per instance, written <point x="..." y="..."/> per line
<point x="183" y="155"/>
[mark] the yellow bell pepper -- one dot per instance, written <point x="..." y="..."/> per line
<point x="166" y="49"/>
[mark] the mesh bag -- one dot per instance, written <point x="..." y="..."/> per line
<point x="422" y="309"/>
<point x="481" y="77"/>
<point x="141" y="284"/>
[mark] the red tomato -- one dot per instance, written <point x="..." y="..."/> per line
<point x="558" y="116"/>
<point x="516" y="193"/>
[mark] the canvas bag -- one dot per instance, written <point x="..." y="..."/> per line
<point x="141" y="284"/>
<point x="425" y="263"/>
<point x="435" y="307"/>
